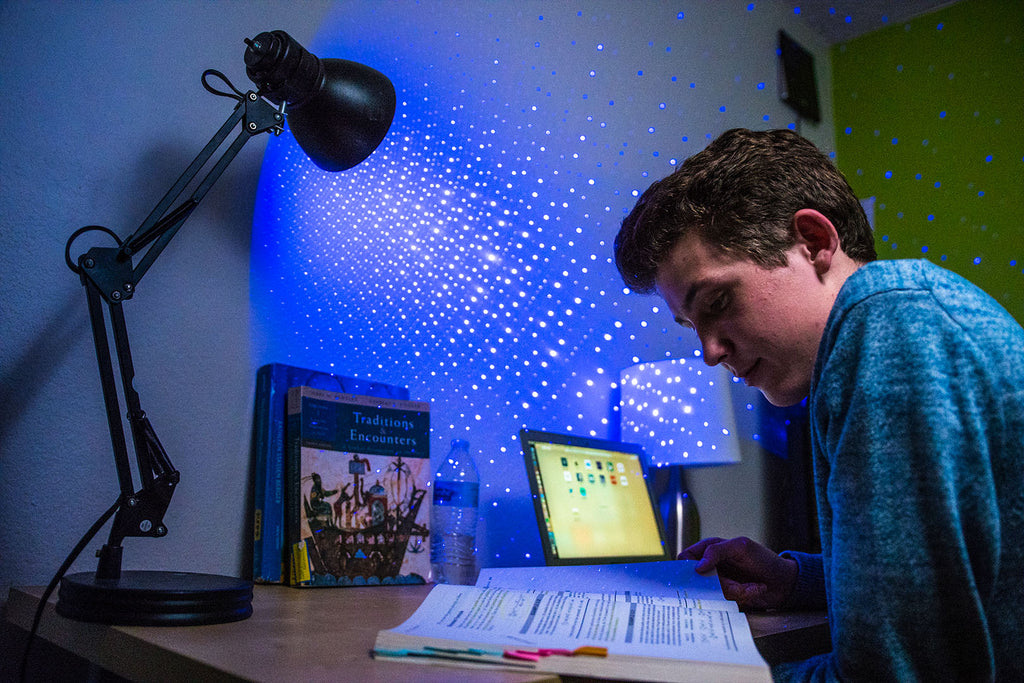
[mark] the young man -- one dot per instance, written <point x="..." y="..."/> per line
<point x="915" y="381"/>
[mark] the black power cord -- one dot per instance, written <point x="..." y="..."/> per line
<point x="72" y="556"/>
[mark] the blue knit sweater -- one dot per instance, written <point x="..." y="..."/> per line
<point x="917" y="419"/>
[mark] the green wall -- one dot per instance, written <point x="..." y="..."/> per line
<point x="929" y="121"/>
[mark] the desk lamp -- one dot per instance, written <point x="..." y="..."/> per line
<point x="680" y="411"/>
<point x="339" y="112"/>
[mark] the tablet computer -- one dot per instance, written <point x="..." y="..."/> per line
<point x="591" y="500"/>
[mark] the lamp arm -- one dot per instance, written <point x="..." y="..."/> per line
<point x="139" y="513"/>
<point x="109" y="277"/>
<point x="257" y="116"/>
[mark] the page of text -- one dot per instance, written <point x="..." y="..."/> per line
<point x="672" y="579"/>
<point x="639" y="625"/>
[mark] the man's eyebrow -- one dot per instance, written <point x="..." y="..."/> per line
<point x="692" y="291"/>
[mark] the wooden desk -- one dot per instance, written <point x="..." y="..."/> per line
<point x="316" y="634"/>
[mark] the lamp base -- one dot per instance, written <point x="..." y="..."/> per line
<point x="154" y="598"/>
<point x="678" y="509"/>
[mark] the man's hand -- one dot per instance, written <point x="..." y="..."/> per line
<point x="750" y="574"/>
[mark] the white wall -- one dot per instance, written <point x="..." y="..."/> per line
<point x="102" y="109"/>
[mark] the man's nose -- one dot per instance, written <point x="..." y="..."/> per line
<point x="715" y="347"/>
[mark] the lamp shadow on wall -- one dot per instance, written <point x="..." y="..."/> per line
<point x="41" y="358"/>
<point x="157" y="167"/>
<point x="228" y="209"/>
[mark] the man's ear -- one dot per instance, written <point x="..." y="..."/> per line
<point x="816" y="232"/>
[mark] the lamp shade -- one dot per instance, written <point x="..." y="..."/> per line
<point x="339" y="111"/>
<point x="680" y="411"/>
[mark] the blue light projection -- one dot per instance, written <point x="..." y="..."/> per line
<point x="674" y="409"/>
<point x="469" y="258"/>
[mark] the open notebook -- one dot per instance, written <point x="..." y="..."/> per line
<point x="592" y="501"/>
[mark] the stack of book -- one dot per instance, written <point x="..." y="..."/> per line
<point x="341" y="473"/>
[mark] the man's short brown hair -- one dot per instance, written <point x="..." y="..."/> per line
<point x="740" y="195"/>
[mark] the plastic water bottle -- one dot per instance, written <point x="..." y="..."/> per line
<point x="453" y="517"/>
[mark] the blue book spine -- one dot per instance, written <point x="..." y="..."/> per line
<point x="272" y="383"/>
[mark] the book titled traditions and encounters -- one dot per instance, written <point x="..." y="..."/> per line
<point x="270" y="412"/>
<point x="649" y="621"/>
<point x="356" y="484"/>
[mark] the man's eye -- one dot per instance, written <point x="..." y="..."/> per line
<point x="718" y="304"/>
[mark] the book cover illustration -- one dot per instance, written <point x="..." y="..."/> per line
<point x="357" y="482"/>
<point x="268" y="454"/>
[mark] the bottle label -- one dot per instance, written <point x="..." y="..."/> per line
<point x="456" y="493"/>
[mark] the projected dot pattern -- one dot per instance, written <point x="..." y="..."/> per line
<point x="469" y="258"/>
<point x="679" y="410"/>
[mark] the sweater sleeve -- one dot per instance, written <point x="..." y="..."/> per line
<point x="902" y="472"/>
<point x="809" y="591"/>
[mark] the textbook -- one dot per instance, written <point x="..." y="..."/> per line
<point x="268" y="450"/>
<point x="356" y="479"/>
<point x="652" y="621"/>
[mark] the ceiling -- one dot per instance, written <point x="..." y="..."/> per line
<point x="842" y="20"/>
